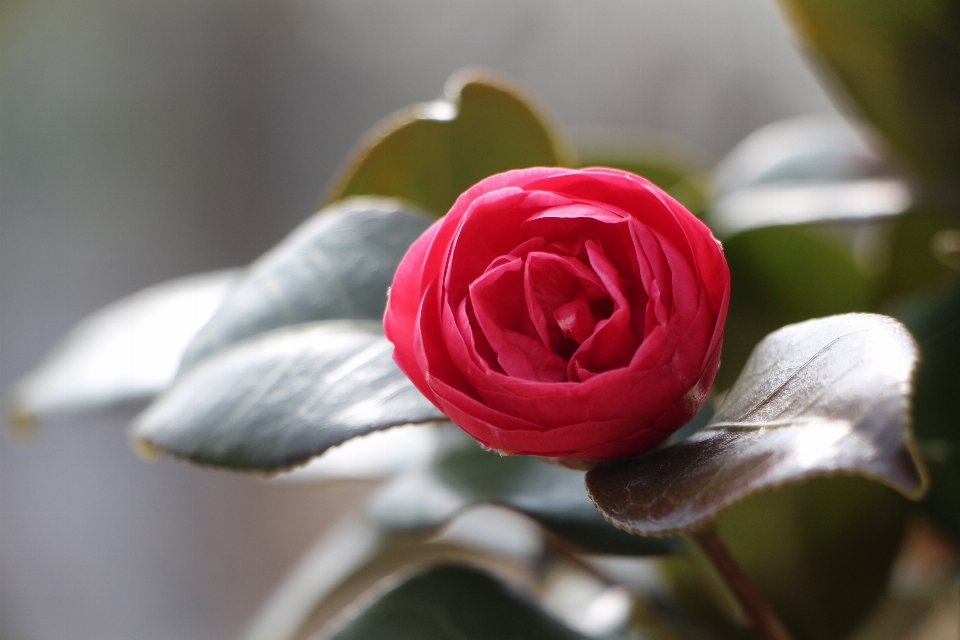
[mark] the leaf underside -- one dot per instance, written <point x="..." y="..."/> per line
<point x="822" y="397"/>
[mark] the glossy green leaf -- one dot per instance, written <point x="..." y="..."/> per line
<point x="452" y="603"/>
<point x="935" y="321"/>
<point x="822" y="397"/>
<point x="281" y="398"/>
<point x="430" y="153"/>
<point x="899" y="61"/>
<point x="337" y="264"/>
<point x="467" y="475"/>
<point x="126" y="352"/>
<point x="782" y="275"/>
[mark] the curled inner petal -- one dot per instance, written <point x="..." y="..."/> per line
<point x="575" y="318"/>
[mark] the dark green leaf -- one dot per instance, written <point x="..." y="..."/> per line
<point x="820" y="553"/>
<point x="467" y="475"/>
<point x="126" y="352"/>
<point x="782" y="275"/>
<point x="281" y="398"/>
<point x="913" y="268"/>
<point x="337" y="264"/>
<point x="453" y="603"/>
<point x="430" y="153"/>
<point x="821" y="397"/>
<point x="899" y="61"/>
<point x="935" y="321"/>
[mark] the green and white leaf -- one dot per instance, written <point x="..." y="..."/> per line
<point x="281" y="398"/>
<point x="808" y="170"/>
<point x="823" y="397"/>
<point x="337" y="264"/>
<point x="126" y="352"/>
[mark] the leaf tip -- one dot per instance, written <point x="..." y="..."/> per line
<point x="145" y="449"/>
<point x="23" y="423"/>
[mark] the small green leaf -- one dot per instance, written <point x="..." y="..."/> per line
<point x="337" y="264"/>
<point x="899" y="61"/>
<point x="281" y="398"/>
<point x="935" y="321"/>
<point x="783" y="275"/>
<point x="126" y="352"/>
<point x="467" y="475"/>
<point x="818" y="398"/>
<point x="452" y="603"/>
<point x="430" y="153"/>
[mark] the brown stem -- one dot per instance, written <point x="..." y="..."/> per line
<point x="760" y="615"/>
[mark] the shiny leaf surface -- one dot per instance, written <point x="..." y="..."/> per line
<point x="817" y="398"/>
<point x="281" y="398"/>
<point x="430" y="153"/>
<point x="467" y="475"/>
<point x="814" y="169"/>
<point x="125" y="352"/>
<point x="783" y="275"/>
<point x="337" y="264"/>
<point x="452" y="603"/>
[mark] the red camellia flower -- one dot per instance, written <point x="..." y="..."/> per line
<point x="562" y="312"/>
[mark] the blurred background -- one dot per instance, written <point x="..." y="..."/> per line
<point x="141" y="141"/>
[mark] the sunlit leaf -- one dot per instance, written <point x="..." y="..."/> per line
<point x="337" y="264"/>
<point x="466" y="475"/>
<point x="783" y="275"/>
<point x="812" y="202"/>
<point x="430" y="153"/>
<point x="899" y="61"/>
<point x="814" y="169"/>
<point x="125" y="352"/>
<point x="452" y="603"/>
<point x="935" y="321"/>
<point x="281" y="398"/>
<point x="821" y="397"/>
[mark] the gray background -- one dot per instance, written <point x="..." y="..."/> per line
<point x="145" y="140"/>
